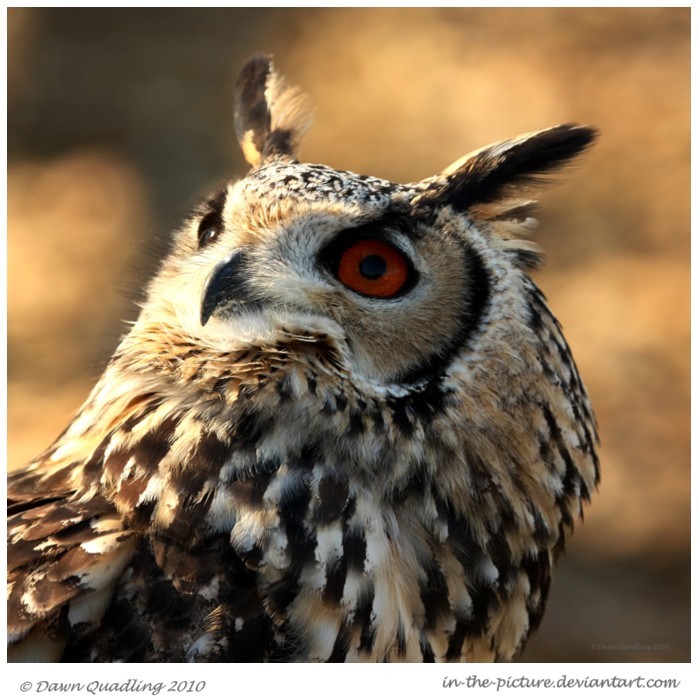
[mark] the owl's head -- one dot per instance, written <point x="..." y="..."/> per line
<point x="401" y="277"/>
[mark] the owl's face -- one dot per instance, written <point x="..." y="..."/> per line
<point x="397" y="278"/>
<point x="396" y="286"/>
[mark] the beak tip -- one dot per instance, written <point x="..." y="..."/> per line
<point x="204" y="315"/>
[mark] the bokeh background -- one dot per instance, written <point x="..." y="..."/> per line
<point x="120" y="119"/>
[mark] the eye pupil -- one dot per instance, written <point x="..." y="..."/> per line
<point x="208" y="234"/>
<point x="372" y="267"/>
<point x="208" y="231"/>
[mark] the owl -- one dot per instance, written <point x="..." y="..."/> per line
<point x="344" y="427"/>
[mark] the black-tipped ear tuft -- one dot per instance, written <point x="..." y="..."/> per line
<point x="502" y="169"/>
<point x="251" y="115"/>
<point x="269" y="117"/>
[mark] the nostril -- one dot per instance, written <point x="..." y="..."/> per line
<point x="227" y="287"/>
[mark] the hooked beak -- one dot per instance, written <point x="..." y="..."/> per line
<point x="227" y="288"/>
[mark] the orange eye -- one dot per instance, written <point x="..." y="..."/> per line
<point x="374" y="268"/>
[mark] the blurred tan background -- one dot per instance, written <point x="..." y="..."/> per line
<point x="120" y="119"/>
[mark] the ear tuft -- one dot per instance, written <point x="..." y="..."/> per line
<point x="269" y="117"/>
<point x="504" y="169"/>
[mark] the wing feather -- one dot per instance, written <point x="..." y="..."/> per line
<point x="64" y="558"/>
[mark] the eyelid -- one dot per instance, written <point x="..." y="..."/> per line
<point x="375" y="231"/>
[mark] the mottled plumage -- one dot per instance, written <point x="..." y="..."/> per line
<point x="345" y="426"/>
